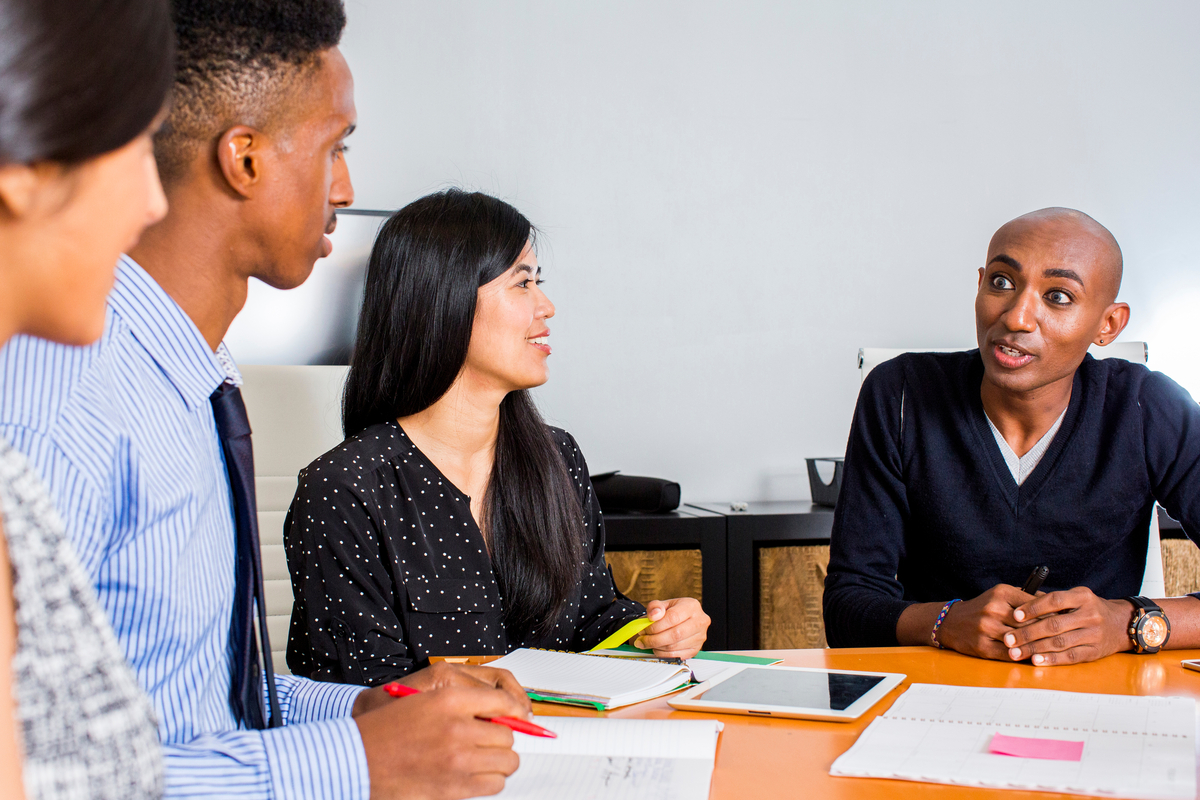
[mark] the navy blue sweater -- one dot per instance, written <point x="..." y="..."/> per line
<point x="930" y="512"/>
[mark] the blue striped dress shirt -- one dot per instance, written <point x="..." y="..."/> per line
<point x="123" y="433"/>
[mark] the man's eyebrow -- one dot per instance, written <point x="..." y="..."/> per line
<point x="349" y="130"/>
<point x="1058" y="272"/>
<point x="1003" y="259"/>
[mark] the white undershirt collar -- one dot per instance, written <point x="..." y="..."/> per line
<point x="1022" y="466"/>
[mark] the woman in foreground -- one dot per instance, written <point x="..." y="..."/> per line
<point x="82" y="85"/>
<point x="453" y="520"/>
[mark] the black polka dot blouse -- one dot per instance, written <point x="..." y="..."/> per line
<point x="389" y="568"/>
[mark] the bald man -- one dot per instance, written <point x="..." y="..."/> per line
<point x="965" y="471"/>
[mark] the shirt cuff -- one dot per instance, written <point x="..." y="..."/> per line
<point x="318" y="760"/>
<point x="302" y="700"/>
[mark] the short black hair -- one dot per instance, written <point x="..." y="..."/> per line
<point x="236" y="61"/>
<point x="80" y="78"/>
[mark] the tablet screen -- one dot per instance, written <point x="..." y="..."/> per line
<point x="778" y="687"/>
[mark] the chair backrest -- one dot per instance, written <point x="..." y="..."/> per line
<point x="1154" y="580"/>
<point x="295" y="414"/>
<point x="871" y="357"/>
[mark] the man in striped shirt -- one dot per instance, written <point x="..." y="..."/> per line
<point x="124" y="433"/>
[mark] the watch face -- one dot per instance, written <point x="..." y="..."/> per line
<point x="1154" y="630"/>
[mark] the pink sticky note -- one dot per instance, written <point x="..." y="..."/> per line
<point x="1024" y="747"/>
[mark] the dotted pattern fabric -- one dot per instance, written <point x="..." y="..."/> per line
<point x="389" y="568"/>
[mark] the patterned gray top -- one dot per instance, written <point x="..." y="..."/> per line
<point x="87" y="729"/>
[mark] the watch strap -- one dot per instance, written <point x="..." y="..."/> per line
<point x="1143" y="607"/>
<point x="1144" y="603"/>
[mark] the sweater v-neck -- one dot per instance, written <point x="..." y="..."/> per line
<point x="1020" y="495"/>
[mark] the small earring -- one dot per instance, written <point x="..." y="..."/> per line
<point x="1101" y="341"/>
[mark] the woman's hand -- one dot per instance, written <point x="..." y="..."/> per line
<point x="680" y="628"/>
<point x="1069" y="627"/>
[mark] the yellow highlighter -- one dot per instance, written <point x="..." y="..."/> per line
<point x="626" y="632"/>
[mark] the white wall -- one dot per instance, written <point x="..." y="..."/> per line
<point x="735" y="197"/>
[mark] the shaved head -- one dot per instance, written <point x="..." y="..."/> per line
<point x="1072" y="236"/>
<point x="1047" y="293"/>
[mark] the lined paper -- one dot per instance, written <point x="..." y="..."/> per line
<point x="616" y="758"/>
<point x="605" y="778"/>
<point x="651" y="738"/>
<point x="1133" y="747"/>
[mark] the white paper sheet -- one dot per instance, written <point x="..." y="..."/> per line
<point x="626" y="759"/>
<point x="1134" y="747"/>
<point x="704" y="669"/>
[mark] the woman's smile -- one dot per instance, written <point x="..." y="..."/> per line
<point x="541" y="341"/>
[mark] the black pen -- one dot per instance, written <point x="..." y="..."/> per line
<point x="1035" y="580"/>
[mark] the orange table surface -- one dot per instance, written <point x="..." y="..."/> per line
<point x="780" y="758"/>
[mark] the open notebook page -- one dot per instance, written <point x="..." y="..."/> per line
<point x="621" y="759"/>
<point x="577" y="675"/>
<point x="1133" y="747"/>
<point x="1045" y="709"/>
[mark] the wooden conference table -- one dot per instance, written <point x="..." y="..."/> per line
<point x="781" y="758"/>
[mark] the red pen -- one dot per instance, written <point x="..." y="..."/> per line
<point x="518" y="725"/>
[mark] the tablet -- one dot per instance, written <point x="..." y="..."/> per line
<point x="798" y="693"/>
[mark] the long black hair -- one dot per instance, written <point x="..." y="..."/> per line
<point x="423" y="277"/>
<point x="79" y="78"/>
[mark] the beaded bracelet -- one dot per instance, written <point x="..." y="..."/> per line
<point x="938" y="624"/>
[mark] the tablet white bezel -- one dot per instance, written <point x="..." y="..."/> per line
<point x="688" y="700"/>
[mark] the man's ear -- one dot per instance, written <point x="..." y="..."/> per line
<point x="240" y="155"/>
<point x="19" y="186"/>
<point x="979" y="285"/>
<point x="1116" y="317"/>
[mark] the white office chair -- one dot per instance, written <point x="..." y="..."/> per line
<point x="1153" y="582"/>
<point x="871" y="357"/>
<point x="295" y="415"/>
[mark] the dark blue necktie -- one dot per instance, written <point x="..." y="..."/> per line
<point x="245" y="690"/>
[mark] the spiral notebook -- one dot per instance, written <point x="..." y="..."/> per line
<point x="1072" y="742"/>
<point x="600" y="682"/>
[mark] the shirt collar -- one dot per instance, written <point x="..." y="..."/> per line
<point x="225" y="358"/>
<point x="168" y="334"/>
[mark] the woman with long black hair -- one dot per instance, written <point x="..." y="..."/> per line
<point x="453" y="520"/>
<point x="83" y="84"/>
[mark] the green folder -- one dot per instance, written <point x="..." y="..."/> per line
<point x="703" y="655"/>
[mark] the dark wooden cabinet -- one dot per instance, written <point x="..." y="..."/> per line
<point x="686" y="529"/>
<point x="764" y="524"/>
<point x="729" y="542"/>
